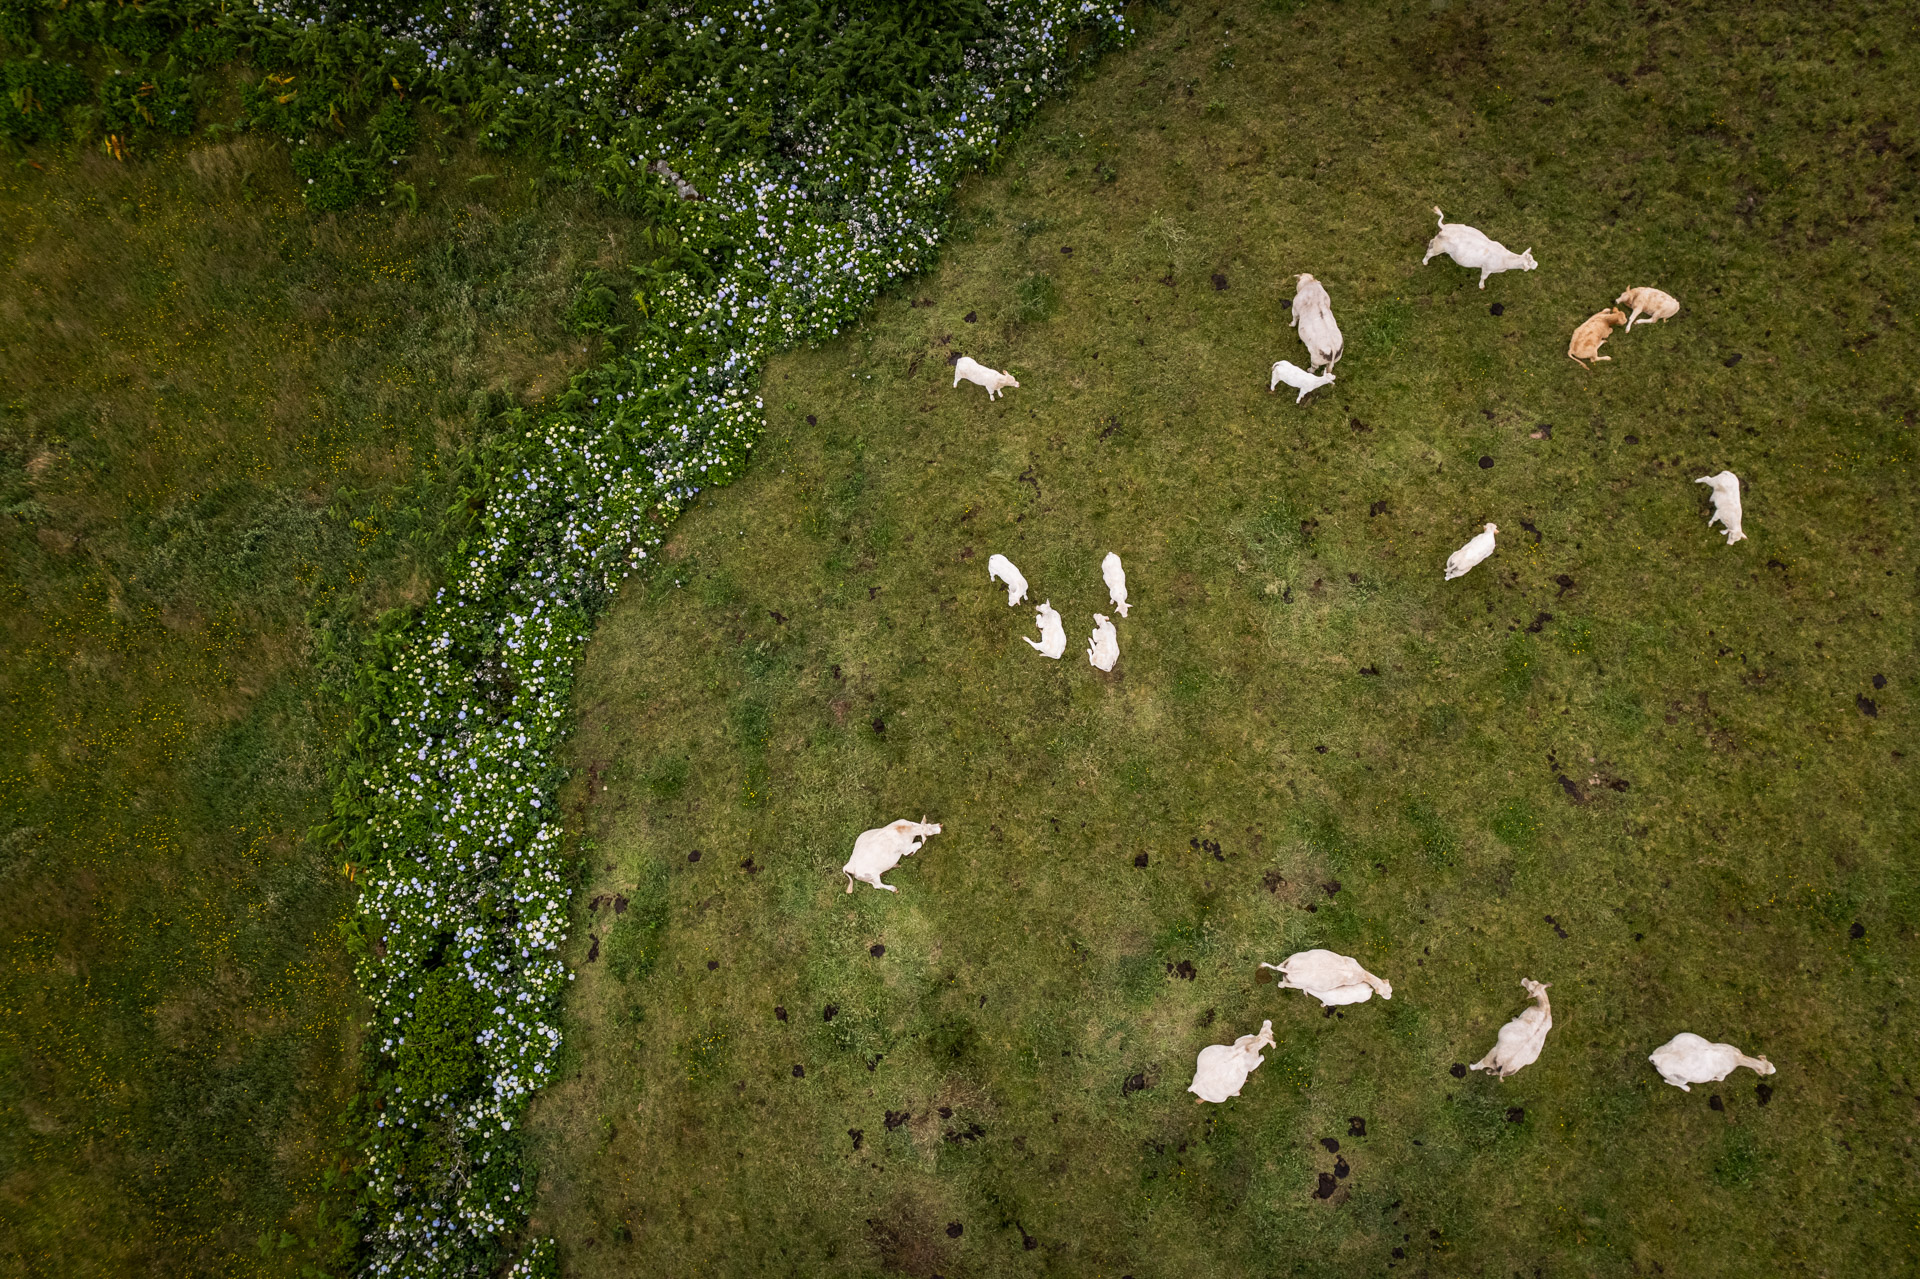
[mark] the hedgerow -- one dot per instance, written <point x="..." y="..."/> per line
<point x="813" y="200"/>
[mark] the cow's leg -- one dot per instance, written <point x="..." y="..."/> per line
<point x="1483" y="278"/>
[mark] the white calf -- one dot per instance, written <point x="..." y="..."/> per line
<point x="979" y="374"/>
<point x="1522" y="1038"/>
<point x="1475" y="251"/>
<point x="1053" y="636"/>
<point x="1478" y="547"/>
<point x="1726" y="504"/>
<point x="1116" y="580"/>
<point x="1223" y="1068"/>
<point x="1000" y="568"/>
<point x="879" y="850"/>
<point x="1648" y="305"/>
<point x="1330" y="978"/>
<point x="1295" y="376"/>
<point x="1103" y="646"/>
<point x="1313" y="316"/>
<point x="1688" y="1059"/>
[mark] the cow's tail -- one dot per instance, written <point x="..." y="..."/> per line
<point x="849" y="876"/>
<point x="1441" y="216"/>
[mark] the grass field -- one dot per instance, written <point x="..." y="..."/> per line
<point x="193" y="368"/>
<point x="1666" y="775"/>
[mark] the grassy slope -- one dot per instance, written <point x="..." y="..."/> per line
<point x="190" y="368"/>
<point x="1757" y="166"/>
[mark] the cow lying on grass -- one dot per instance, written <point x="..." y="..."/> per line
<point x="879" y="850"/>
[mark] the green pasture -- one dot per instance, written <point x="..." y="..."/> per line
<point x="1668" y="776"/>
<point x="227" y="428"/>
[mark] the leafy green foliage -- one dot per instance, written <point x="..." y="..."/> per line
<point x="129" y="104"/>
<point x="37" y="96"/>
<point x="18" y="21"/>
<point x="438" y="1057"/>
<point x="336" y="177"/>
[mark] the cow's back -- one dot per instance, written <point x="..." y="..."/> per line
<point x="876" y="850"/>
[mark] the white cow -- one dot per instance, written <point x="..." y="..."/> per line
<point x="1522" y="1038"/>
<point x="1053" y="636"/>
<point x="1477" y="548"/>
<point x="1473" y="250"/>
<point x="1116" y="580"/>
<point x="1295" y="376"/>
<point x="1648" y="305"/>
<point x="1313" y="316"/>
<point x="1726" y="503"/>
<point x="1000" y="568"/>
<point x="1330" y="978"/>
<point x="879" y="850"/>
<point x="973" y="371"/>
<point x="1688" y="1059"/>
<point x="1103" y="646"/>
<point x="1223" y="1068"/>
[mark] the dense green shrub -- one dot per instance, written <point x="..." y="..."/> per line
<point x="37" y="97"/>
<point x="438" y="1056"/>
<point x="336" y="177"/>
<point x="130" y="104"/>
<point x="133" y="33"/>
<point x="19" y="20"/>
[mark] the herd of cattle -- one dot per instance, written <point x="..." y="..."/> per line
<point x="1222" y="1069"/>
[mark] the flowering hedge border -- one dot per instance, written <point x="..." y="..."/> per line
<point x="446" y="799"/>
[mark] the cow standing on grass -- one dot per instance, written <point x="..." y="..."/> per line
<point x="1475" y="250"/>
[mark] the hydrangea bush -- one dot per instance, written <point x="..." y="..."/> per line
<point x="446" y="802"/>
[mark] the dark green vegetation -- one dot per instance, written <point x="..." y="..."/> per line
<point x="230" y="431"/>
<point x="347" y="94"/>
<point x="1664" y="774"/>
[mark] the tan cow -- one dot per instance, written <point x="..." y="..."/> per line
<point x="1588" y="337"/>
